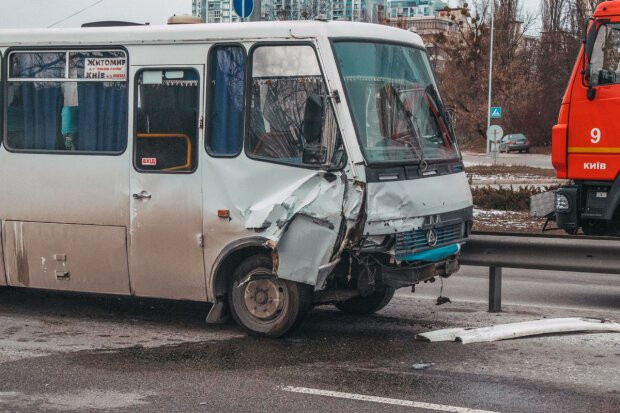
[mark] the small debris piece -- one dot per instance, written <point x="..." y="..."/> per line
<point x="442" y="300"/>
<point x="422" y="365"/>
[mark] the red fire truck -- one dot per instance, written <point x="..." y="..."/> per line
<point x="586" y="140"/>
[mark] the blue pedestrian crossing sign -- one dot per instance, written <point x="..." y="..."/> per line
<point x="496" y="112"/>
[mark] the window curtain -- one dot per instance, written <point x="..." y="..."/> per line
<point x="41" y="115"/>
<point x="170" y="109"/>
<point x="102" y="116"/>
<point x="227" y="100"/>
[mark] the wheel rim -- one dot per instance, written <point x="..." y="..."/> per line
<point x="263" y="295"/>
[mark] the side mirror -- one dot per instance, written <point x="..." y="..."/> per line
<point x="588" y="49"/>
<point x="590" y="40"/>
<point x="586" y="72"/>
<point x="313" y="120"/>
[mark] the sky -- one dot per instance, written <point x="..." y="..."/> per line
<point x="532" y="5"/>
<point x="43" y="13"/>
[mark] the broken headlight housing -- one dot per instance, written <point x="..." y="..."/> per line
<point x="562" y="204"/>
<point x="375" y="242"/>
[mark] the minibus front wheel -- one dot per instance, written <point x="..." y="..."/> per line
<point x="263" y="304"/>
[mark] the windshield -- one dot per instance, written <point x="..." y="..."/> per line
<point x="395" y="104"/>
<point x="605" y="60"/>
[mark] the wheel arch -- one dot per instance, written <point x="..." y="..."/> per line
<point x="228" y="259"/>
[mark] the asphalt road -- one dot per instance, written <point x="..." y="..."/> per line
<point x="512" y="158"/>
<point x="61" y="352"/>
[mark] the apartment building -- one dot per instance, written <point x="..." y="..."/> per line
<point x="374" y="11"/>
<point x="214" y="11"/>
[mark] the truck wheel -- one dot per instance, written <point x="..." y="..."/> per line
<point x="367" y="305"/>
<point x="263" y="304"/>
<point x="594" y="228"/>
<point x="601" y="228"/>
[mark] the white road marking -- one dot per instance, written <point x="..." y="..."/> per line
<point x="384" y="400"/>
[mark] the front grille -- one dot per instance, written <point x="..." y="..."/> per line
<point x="415" y="241"/>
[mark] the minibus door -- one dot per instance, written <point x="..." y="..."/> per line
<point x="165" y="246"/>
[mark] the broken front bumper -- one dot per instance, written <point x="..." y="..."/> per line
<point x="406" y="275"/>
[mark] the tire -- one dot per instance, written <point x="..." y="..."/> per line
<point x="527" y="150"/>
<point x="592" y="228"/>
<point x="601" y="228"/>
<point x="367" y="305"/>
<point x="252" y="291"/>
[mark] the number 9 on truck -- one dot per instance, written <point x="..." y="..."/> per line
<point x="595" y="135"/>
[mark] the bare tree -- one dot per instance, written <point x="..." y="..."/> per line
<point x="311" y="9"/>
<point x="530" y="73"/>
<point x="297" y="10"/>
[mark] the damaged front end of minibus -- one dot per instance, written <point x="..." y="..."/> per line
<point x="353" y="231"/>
<point x="353" y="243"/>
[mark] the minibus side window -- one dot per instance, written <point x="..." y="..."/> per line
<point x="285" y="80"/>
<point x="166" y="120"/>
<point x="226" y="100"/>
<point x="67" y="101"/>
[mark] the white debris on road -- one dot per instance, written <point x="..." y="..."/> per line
<point x="521" y="329"/>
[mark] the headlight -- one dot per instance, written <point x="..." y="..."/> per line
<point x="561" y="203"/>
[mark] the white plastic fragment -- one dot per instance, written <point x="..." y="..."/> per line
<point x="447" y="334"/>
<point x="521" y="329"/>
<point x="422" y="365"/>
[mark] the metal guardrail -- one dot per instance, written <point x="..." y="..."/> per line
<point x="538" y="251"/>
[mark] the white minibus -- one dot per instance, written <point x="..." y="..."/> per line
<point x="263" y="167"/>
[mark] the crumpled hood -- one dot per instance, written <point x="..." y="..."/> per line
<point x="399" y="206"/>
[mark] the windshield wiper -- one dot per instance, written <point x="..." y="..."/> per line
<point x="418" y="134"/>
<point x="432" y="93"/>
<point x="392" y="112"/>
<point x="412" y="125"/>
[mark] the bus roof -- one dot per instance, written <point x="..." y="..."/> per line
<point x="190" y="33"/>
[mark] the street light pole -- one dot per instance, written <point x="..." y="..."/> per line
<point x="490" y="70"/>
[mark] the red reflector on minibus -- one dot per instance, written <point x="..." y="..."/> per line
<point x="223" y="213"/>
